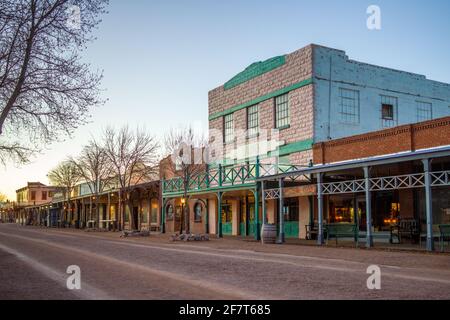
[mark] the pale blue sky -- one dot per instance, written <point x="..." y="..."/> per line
<point x="160" y="58"/>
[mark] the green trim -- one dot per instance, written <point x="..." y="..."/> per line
<point x="254" y="70"/>
<point x="236" y="187"/>
<point x="261" y="99"/>
<point x="298" y="146"/>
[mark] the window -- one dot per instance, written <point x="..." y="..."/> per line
<point x="424" y="111"/>
<point x="154" y="211"/>
<point x="198" y="212"/>
<point x="169" y="210"/>
<point x="33" y="195"/>
<point x="127" y="214"/>
<point x="44" y="195"/>
<point x="282" y="111"/>
<point x="387" y="111"/>
<point x="144" y="214"/>
<point x="252" y="121"/>
<point x="291" y="209"/>
<point x="389" y="107"/>
<point x="227" y="213"/>
<point x="228" y="128"/>
<point x="349" y="105"/>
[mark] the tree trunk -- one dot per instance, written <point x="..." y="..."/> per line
<point x="97" y="210"/>
<point x="181" y="221"/>
<point x="187" y="218"/>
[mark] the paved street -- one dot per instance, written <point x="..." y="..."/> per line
<point x="33" y="263"/>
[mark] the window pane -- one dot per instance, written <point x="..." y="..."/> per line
<point x="389" y="107"/>
<point x="424" y="111"/>
<point x="282" y="111"/>
<point x="349" y="105"/>
<point x="252" y="121"/>
<point x="228" y="128"/>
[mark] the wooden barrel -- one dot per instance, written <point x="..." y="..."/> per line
<point x="269" y="233"/>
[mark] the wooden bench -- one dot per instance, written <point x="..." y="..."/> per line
<point x="407" y="228"/>
<point x="342" y="230"/>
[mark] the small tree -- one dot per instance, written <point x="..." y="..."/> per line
<point x="134" y="158"/>
<point x="65" y="176"/>
<point x="187" y="154"/>
<point x="45" y="87"/>
<point x="95" y="168"/>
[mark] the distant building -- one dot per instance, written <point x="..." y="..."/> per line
<point x="35" y="193"/>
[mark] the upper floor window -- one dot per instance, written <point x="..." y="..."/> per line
<point x="282" y="111"/>
<point x="389" y="106"/>
<point x="424" y="111"/>
<point x="228" y="128"/>
<point x="349" y="105"/>
<point x="44" y="195"/>
<point x="252" y="121"/>
<point x="33" y="195"/>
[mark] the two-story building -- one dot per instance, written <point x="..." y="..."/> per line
<point x="31" y="199"/>
<point x="265" y="121"/>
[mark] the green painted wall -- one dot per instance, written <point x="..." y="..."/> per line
<point x="254" y="70"/>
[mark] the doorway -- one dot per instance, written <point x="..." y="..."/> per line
<point x="136" y="217"/>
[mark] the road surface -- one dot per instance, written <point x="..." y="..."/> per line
<point x="34" y="261"/>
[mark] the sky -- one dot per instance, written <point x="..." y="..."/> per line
<point x="160" y="58"/>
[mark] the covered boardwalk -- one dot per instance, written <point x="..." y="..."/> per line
<point x="392" y="196"/>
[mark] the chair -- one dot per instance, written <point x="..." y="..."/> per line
<point x="405" y="228"/>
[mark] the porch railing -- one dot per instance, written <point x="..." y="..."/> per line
<point x="227" y="176"/>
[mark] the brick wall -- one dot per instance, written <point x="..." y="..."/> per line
<point x="298" y="67"/>
<point x="405" y="138"/>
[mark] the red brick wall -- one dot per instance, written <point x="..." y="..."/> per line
<point x="298" y="67"/>
<point x="405" y="138"/>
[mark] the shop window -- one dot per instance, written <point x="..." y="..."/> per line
<point x="154" y="212"/>
<point x="341" y="210"/>
<point x="198" y="212"/>
<point x="169" y="212"/>
<point x="127" y="214"/>
<point x="290" y="209"/>
<point x="144" y="214"/>
<point x="227" y="213"/>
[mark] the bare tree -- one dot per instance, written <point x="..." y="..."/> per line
<point x="66" y="177"/>
<point x="95" y="169"/>
<point x="45" y="88"/>
<point x="3" y="198"/>
<point x="187" y="155"/>
<point x="134" y="157"/>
